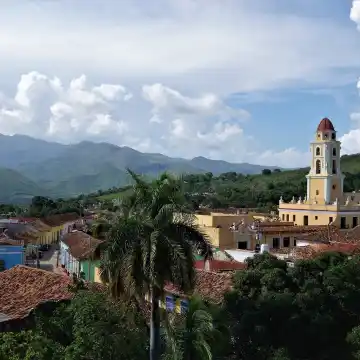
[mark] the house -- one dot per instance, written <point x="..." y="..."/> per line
<point x="12" y="253"/>
<point x="219" y="227"/>
<point x="24" y="289"/>
<point x="211" y="286"/>
<point x="80" y="254"/>
<point x="60" y="224"/>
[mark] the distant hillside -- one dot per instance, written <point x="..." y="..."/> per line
<point x="16" y="188"/>
<point x="66" y="170"/>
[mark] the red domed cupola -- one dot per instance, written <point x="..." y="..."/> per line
<point x="325" y="125"/>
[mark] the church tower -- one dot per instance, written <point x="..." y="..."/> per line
<point x="325" y="180"/>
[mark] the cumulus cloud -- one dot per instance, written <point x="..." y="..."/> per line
<point x="193" y="126"/>
<point x="45" y="107"/>
<point x="350" y="142"/>
<point x="355" y="12"/>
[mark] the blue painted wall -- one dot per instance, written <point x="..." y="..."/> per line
<point x="12" y="255"/>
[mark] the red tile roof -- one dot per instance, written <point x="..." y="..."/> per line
<point x="313" y="250"/>
<point x="292" y="229"/>
<point x="81" y="245"/>
<point x="60" y="219"/>
<point x="325" y="125"/>
<point x="23" y="288"/>
<point x="209" y="285"/>
<point x="220" y="265"/>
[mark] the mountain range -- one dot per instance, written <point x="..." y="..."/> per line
<point x="31" y="167"/>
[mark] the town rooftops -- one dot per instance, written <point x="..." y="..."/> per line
<point x="209" y="285"/>
<point x="81" y="245"/>
<point x="295" y="229"/>
<point x="60" y="219"/>
<point x="313" y="250"/>
<point x="219" y="265"/>
<point x="23" y="288"/>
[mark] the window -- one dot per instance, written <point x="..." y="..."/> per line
<point x="354" y="221"/>
<point x="306" y="220"/>
<point x="343" y="223"/>
<point x="183" y="306"/>
<point x="330" y="220"/>
<point x="276" y="243"/>
<point x="294" y="217"/>
<point x="333" y="136"/>
<point x="325" y="136"/>
<point x="317" y="151"/>
<point x="283" y="217"/>
<point x="286" y="241"/>
<point x="242" y="245"/>
<point x="334" y="187"/>
<point x="318" y="166"/>
<point x="317" y="192"/>
<point x="170" y="304"/>
<point x="287" y="217"/>
<point x="294" y="242"/>
<point x="334" y="167"/>
<point x="334" y="151"/>
<point x="316" y="217"/>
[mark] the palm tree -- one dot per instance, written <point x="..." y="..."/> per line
<point x="153" y="244"/>
<point x="196" y="337"/>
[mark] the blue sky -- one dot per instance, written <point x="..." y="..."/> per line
<point x="239" y="80"/>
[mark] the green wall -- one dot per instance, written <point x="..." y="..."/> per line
<point x="84" y="266"/>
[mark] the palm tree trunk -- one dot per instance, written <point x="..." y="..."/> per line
<point x="155" y="326"/>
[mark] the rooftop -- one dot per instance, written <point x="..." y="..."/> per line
<point x="60" y="219"/>
<point x="24" y="288"/>
<point x="220" y="265"/>
<point x="209" y="285"/>
<point x="81" y="245"/>
<point x="325" y="125"/>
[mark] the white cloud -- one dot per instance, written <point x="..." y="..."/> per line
<point x="221" y="47"/>
<point x="44" y="107"/>
<point x="355" y="12"/>
<point x="191" y="54"/>
<point x="350" y="142"/>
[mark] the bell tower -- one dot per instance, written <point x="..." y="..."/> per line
<point x="325" y="181"/>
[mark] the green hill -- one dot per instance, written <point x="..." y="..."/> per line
<point x="87" y="167"/>
<point x="16" y="188"/>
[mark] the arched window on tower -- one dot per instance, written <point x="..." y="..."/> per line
<point x="317" y="151"/>
<point x="334" y="167"/>
<point x="318" y="166"/>
<point x="333" y="136"/>
<point x="334" y="151"/>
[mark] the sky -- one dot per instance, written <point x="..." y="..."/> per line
<point x="237" y="80"/>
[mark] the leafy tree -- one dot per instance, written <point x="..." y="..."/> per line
<point x="272" y="307"/>
<point x="198" y="335"/>
<point x="151" y="245"/>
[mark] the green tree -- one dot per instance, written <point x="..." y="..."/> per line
<point x="153" y="244"/>
<point x="197" y="335"/>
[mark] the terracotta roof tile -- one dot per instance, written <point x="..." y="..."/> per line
<point x="24" y="288"/>
<point x="209" y="285"/>
<point x="313" y="250"/>
<point x="220" y="265"/>
<point x="81" y="245"/>
<point x="325" y="125"/>
<point x="60" y="219"/>
<point x="291" y="229"/>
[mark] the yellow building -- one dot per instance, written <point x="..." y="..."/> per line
<point x="220" y="228"/>
<point x="325" y="202"/>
